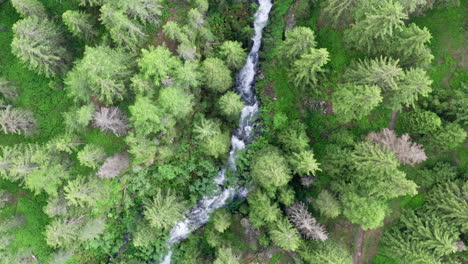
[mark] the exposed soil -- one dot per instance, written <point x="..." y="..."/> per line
<point x="291" y="16"/>
<point x="357" y="256"/>
<point x="394" y="119"/>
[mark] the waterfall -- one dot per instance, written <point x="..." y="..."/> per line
<point x="242" y="136"/>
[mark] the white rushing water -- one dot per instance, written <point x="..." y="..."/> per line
<point x="200" y="215"/>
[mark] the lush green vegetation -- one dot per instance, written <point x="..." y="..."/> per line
<point x="116" y="116"/>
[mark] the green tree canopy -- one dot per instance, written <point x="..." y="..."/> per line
<point x="158" y="64"/>
<point x="79" y="24"/>
<point x="305" y="70"/>
<point x="353" y="102"/>
<point x="270" y="169"/>
<point x="285" y="235"/>
<point x="233" y="54"/>
<point x="39" y="44"/>
<point x="298" y="41"/>
<point x="28" y="8"/>
<point x="145" y="116"/>
<point x="103" y="72"/>
<point x="231" y="105"/>
<point x="217" y="75"/>
<point x="304" y="163"/>
<point x="164" y="209"/>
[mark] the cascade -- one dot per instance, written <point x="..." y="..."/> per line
<point x="242" y="136"/>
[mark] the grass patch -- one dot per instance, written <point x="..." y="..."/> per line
<point x="30" y="206"/>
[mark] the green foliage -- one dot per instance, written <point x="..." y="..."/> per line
<point x="85" y="192"/>
<point x="415" y="83"/>
<point x="305" y="70"/>
<point x="158" y="64"/>
<point x="262" y="210"/>
<point x="270" y="169"/>
<point x="327" y="204"/>
<point x="164" y="209"/>
<point x="420" y="122"/>
<point x="226" y="256"/>
<point x="298" y="41"/>
<point x="62" y="232"/>
<point x="216" y="74"/>
<point x="449" y="201"/>
<point x="92" y="156"/>
<point x="351" y="102"/>
<point x="79" y="24"/>
<point x="77" y="119"/>
<point x="375" y="23"/>
<point x="328" y="252"/>
<point x="176" y="102"/>
<point x="145" y="116"/>
<point x="365" y="211"/>
<point x="212" y="140"/>
<point x="146" y="11"/>
<point x="294" y="137"/>
<point x="231" y="105"/>
<point x="221" y="220"/>
<point x="448" y="137"/>
<point x="103" y="73"/>
<point x="27" y="8"/>
<point x="233" y="54"/>
<point x="39" y="44"/>
<point x="284" y="235"/>
<point x="304" y="163"/>
<point x="123" y="31"/>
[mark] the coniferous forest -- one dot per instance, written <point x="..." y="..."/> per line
<point x="233" y="131"/>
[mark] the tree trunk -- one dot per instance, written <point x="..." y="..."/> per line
<point x="394" y="119"/>
<point x="357" y="256"/>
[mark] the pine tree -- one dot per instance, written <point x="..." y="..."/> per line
<point x="233" y="54"/>
<point x="353" y="102"/>
<point x="92" y="156"/>
<point x="327" y="204"/>
<point x="305" y="222"/>
<point x="383" y="72"/>
<point x="39" y="44"/>
<point x="284" y="235"/>
<point x="217" y="75"/>
<point x="298" y="41"/>
<point x="123" y="31"/>
<point x="270" y="169"/>
<point x="79" y="24"/>
<point x="113" y="166"/>
<point x="17" y="121"/>
<point x="305" y="70"/>
<point x="103" y="72"/>
<point x="304" y="163"/>
<point x="111" y="119"/>
<point x="231" y="105"/>
<point x="406" y="151"/>
<point x="164" y="209"/>
<point x="27" y="8"/>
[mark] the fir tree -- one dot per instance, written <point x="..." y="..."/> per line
<point x="298" y="41"/>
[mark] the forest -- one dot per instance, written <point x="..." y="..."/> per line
<point x="233" y="131"/>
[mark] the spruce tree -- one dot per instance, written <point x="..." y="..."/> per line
<point x="164" y="209"/>
<point x="159" y="65"/>
<point x="304" y="163"/>
<point x="270" y="169"/>
<point x="231" y="105"/>
<point x="39" y="44"/>
<point x="217" y="75"/>
<point x="79" y="24"/>
<point x="414" y="84"/>
<point x="103" y="72"/>
<point x="27" y="8"/>
<point x="353" y="102"/>
<point x="146" y="11"/>
<point x="233" y="54"/>
<point x="305" y="70"/>
<point x="284" y="235"/>
<point x="327" y="204"/>
<point x="17" y="121"/>
<point x="92" y="156"/>
<point x="298" y="41"/>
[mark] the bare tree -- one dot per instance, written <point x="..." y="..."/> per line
<point x="405" y="150"/>
<point x="16" y="121"/>
<point x="307" y="181"/>
<point x="114" y="165"/>
<point x="111" y="119"/>
<point x="8" y="90"/>
<point x="306" y="223"/>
